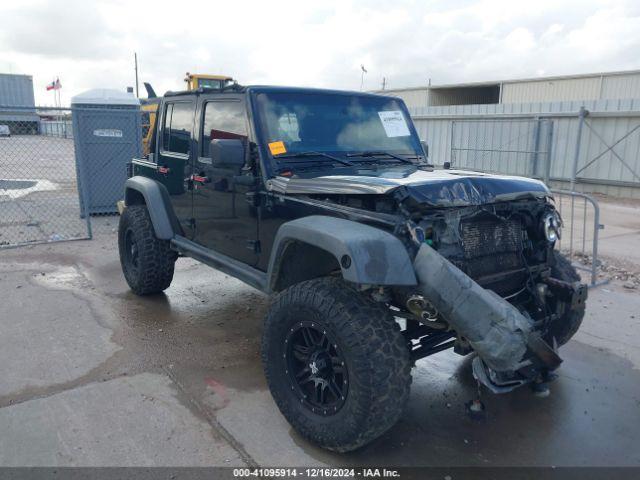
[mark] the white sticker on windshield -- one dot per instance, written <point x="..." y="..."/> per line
<point x="394" y="124"/>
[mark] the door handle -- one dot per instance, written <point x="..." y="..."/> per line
<point x="200" y="179"/>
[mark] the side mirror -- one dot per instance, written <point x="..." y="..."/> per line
<point x="425" y="148"/>
<point x="228" y="153"/>
<point x="446" y="165"/>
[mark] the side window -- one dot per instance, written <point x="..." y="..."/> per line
<point x="222" y="121"/>
<point x="176" y="134"/>
<point x="166" y="126"/>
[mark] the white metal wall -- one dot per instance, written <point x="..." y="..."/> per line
<point x="620" y="86"/>
<point x="551" y="90"/>
<point x="597" y="87"/>
<point x="16" y="90"/>
<point x="413" y="98"/>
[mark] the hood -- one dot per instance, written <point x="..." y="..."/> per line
<point x="435" y="188"/>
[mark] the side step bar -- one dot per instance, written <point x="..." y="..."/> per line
<point x="219" y="261"/>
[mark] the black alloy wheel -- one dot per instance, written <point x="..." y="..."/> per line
<point x="318" y="373"/>
<point x="336" y="363"/>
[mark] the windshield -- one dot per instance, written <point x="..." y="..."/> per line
<point x="340" y="125"/>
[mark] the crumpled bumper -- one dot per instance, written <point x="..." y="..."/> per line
<point x="510" y="351"/>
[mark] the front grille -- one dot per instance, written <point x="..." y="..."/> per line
<point x="492" y="252"/>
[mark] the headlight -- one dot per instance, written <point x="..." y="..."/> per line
<point x="552" y="226"/>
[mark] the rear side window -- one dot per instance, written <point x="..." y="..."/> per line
<point x="223" y="121"/>
<point x="176" y="133"/>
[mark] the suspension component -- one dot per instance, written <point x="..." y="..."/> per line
<point x="425" y="311"/>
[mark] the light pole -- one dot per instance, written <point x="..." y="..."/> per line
<point x="364" y="70"/>
<point x="135" y="61"/>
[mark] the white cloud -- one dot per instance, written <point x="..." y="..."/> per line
<point x="520" y="40"/>
<point x="91" y="44"/>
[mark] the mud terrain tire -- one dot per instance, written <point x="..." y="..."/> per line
<point x="566" y="326"/>
<point x="373" y="351"/>
<point x="147" y="262"/>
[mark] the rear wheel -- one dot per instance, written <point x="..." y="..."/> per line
<point x="568" y="324"/>
<point x="336" y="363"/>
<point x="147" y="262"/>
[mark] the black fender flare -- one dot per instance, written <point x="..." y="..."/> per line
<point x="366" y="255"/>
<point x="156" y="197"/>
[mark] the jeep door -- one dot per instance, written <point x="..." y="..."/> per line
<point x="174" y="147"/>
<point x="226" y="219"/>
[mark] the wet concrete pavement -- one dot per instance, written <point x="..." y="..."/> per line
<point x="92" y="375"/>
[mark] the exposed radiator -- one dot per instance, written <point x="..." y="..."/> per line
<point x="490" y="236"/>
<point x="492" y="247"/>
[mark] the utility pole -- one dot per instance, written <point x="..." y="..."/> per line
<point x="384" y="82"/>
<point x="364" y="70"/>
<point x="135" y="59"/>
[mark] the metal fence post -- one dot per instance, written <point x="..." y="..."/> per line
<point x="536" y="147"/>
<point x="596" y="233"/>
<point x="83" y="181"/>
<point x="452" y="143"/>
<point x="547" y="167"/>
<point x="574" y="172"/>
<point x="576" y="158"/>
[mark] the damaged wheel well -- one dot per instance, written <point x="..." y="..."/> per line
<point x="300" y="261"/>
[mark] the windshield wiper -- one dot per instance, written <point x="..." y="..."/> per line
<point x="314" y="154"/>
<point x="379" y="154"/>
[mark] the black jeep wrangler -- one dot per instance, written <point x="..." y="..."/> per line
<point x="374" y="259"/>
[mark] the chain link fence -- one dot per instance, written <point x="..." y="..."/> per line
<point x="62" y="170"/>
<point x="39" y="199"/>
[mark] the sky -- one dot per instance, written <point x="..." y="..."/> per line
<point x="91" y="43"/>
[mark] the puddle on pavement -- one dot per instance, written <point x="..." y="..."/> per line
<point x="67" y="278"/>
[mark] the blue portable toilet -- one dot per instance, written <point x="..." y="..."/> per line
<point x="107" y="135"/>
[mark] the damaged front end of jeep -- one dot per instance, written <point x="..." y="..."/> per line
<point x="488" y="278"/>
<point x="486" y="285"/>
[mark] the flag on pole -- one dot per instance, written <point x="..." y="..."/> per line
<point x="55" y="85"/>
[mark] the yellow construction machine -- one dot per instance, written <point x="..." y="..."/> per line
<point x="149" y="105"/>
<point x="196" y="80"/>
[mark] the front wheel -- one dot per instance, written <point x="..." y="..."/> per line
<point x="147" y="262"/>
<point x="336" y="363"/>
<point x="565" y="327"/>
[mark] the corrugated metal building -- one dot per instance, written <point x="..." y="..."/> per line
<point x="594" y="86"/>
<point x="17" y="104"/>
<point x="597" y="86"/>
